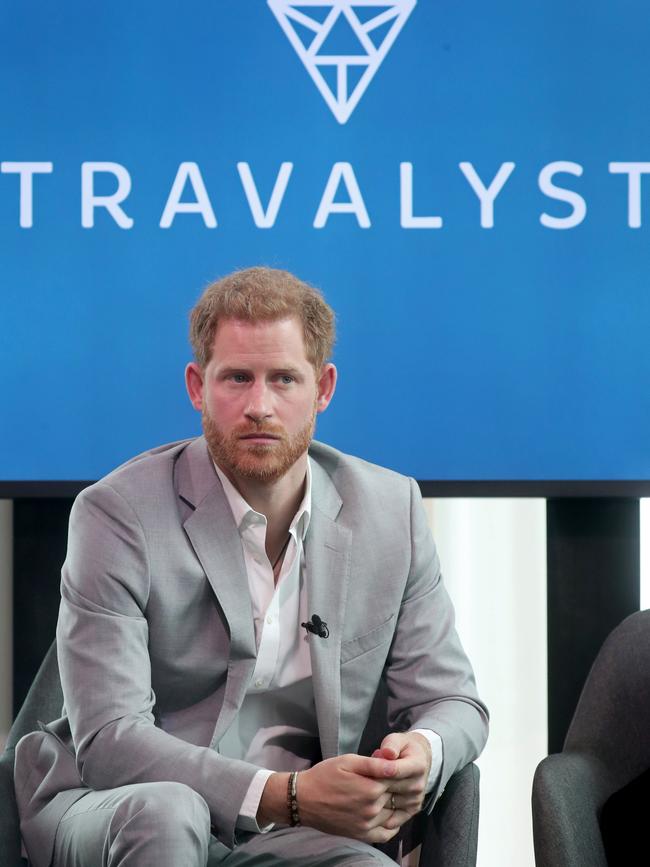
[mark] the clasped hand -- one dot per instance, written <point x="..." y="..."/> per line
<point x="353" y="795"/>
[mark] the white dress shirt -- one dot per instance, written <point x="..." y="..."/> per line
<point x="276" y="727"/>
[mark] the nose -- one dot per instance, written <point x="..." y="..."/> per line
<point x="259" y="407"/>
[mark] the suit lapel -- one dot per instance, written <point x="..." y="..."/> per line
<point x="212" y="531"/>
<point x="327" y="569"/>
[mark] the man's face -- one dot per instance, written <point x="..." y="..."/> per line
<point x="258" y="397"/>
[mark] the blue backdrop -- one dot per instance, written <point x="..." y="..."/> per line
<point x="503" y="342"/>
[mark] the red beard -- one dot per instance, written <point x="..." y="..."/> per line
<point x="258" y="461"/>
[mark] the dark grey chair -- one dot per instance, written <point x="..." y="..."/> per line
<point x="449" y="836"/>
<point x="591" y="801"/>
<point x="44" y="702"/>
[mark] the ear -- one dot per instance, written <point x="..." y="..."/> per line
<point x="194" y="383"/>
<point x="326" y="386"/>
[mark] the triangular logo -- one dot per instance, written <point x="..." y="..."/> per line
<point x="350" y="40"/>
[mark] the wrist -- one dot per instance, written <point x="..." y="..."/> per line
<point x="273" y="803"/>
<point x="292" y="799"/>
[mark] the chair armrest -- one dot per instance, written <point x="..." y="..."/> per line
<point x="450" y="837"/>
<point x="43" y="701"/>
<point x="569" y="790"/>
<point x="9" y="823"/>
<point x="448" y="834"/>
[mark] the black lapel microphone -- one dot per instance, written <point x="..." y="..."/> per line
<point x="316" y="626"/>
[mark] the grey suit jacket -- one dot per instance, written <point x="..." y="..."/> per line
<point x="156" y="642"/>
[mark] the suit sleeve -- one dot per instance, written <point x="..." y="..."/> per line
<point x="102" y="645"/>
<point x="429" y="677"/>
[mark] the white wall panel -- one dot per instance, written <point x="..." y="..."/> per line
<point x="493" y="554"/>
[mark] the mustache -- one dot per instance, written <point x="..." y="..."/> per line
<point x="259" y="428"/>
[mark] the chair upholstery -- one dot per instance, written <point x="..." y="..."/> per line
<point x="44" y="702"/>
<point x="448" y="837"/>
<point x="582" y="795"/>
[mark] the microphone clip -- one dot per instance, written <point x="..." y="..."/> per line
<point x="316" y="626"/>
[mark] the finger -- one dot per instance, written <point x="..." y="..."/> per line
<point x="409" y="767"/>
<point x="380" y="835"/>
<point x="410" y="787"/>
<point x="407" y="803"/>
<point x="393" y="744"/>
<point x="391" y="819"/>
<point x="385" y="753"/>
<point x="397" y="818"/>
<point x="371" y="766"/>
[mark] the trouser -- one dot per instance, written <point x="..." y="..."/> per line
<point x="168" y="825"/>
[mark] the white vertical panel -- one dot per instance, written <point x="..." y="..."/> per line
<point x="645" y="553"/>
<point x="6" y="612"/>
<point x="493" y="554"/>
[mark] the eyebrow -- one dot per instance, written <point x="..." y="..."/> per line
<point x="293" y="371"/>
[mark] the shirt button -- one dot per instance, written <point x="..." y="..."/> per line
<point x="259" y="683"/>
<point x="269" y="619"/>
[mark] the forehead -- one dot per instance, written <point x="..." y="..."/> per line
<point x="258" y="341"/>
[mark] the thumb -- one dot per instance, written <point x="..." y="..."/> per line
<point x="392" y="745"/>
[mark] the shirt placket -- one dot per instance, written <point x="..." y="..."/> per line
<point x="268" y="651"/>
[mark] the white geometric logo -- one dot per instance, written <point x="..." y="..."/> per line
<point x="342" y="43"/>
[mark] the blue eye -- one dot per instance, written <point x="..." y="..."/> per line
<point x="286" y="379"/>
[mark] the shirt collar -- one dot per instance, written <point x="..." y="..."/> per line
<point x="245" y="515"/>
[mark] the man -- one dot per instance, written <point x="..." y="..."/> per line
<point x="229" y="606"/>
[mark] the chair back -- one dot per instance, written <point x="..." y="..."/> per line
<point x="43" y="703"/>
<point x="612" y="718"/>
<point x="44" y="700"/>
<point x="587" y="800"/>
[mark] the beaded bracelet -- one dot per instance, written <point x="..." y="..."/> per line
<point x="292" y="799"/>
